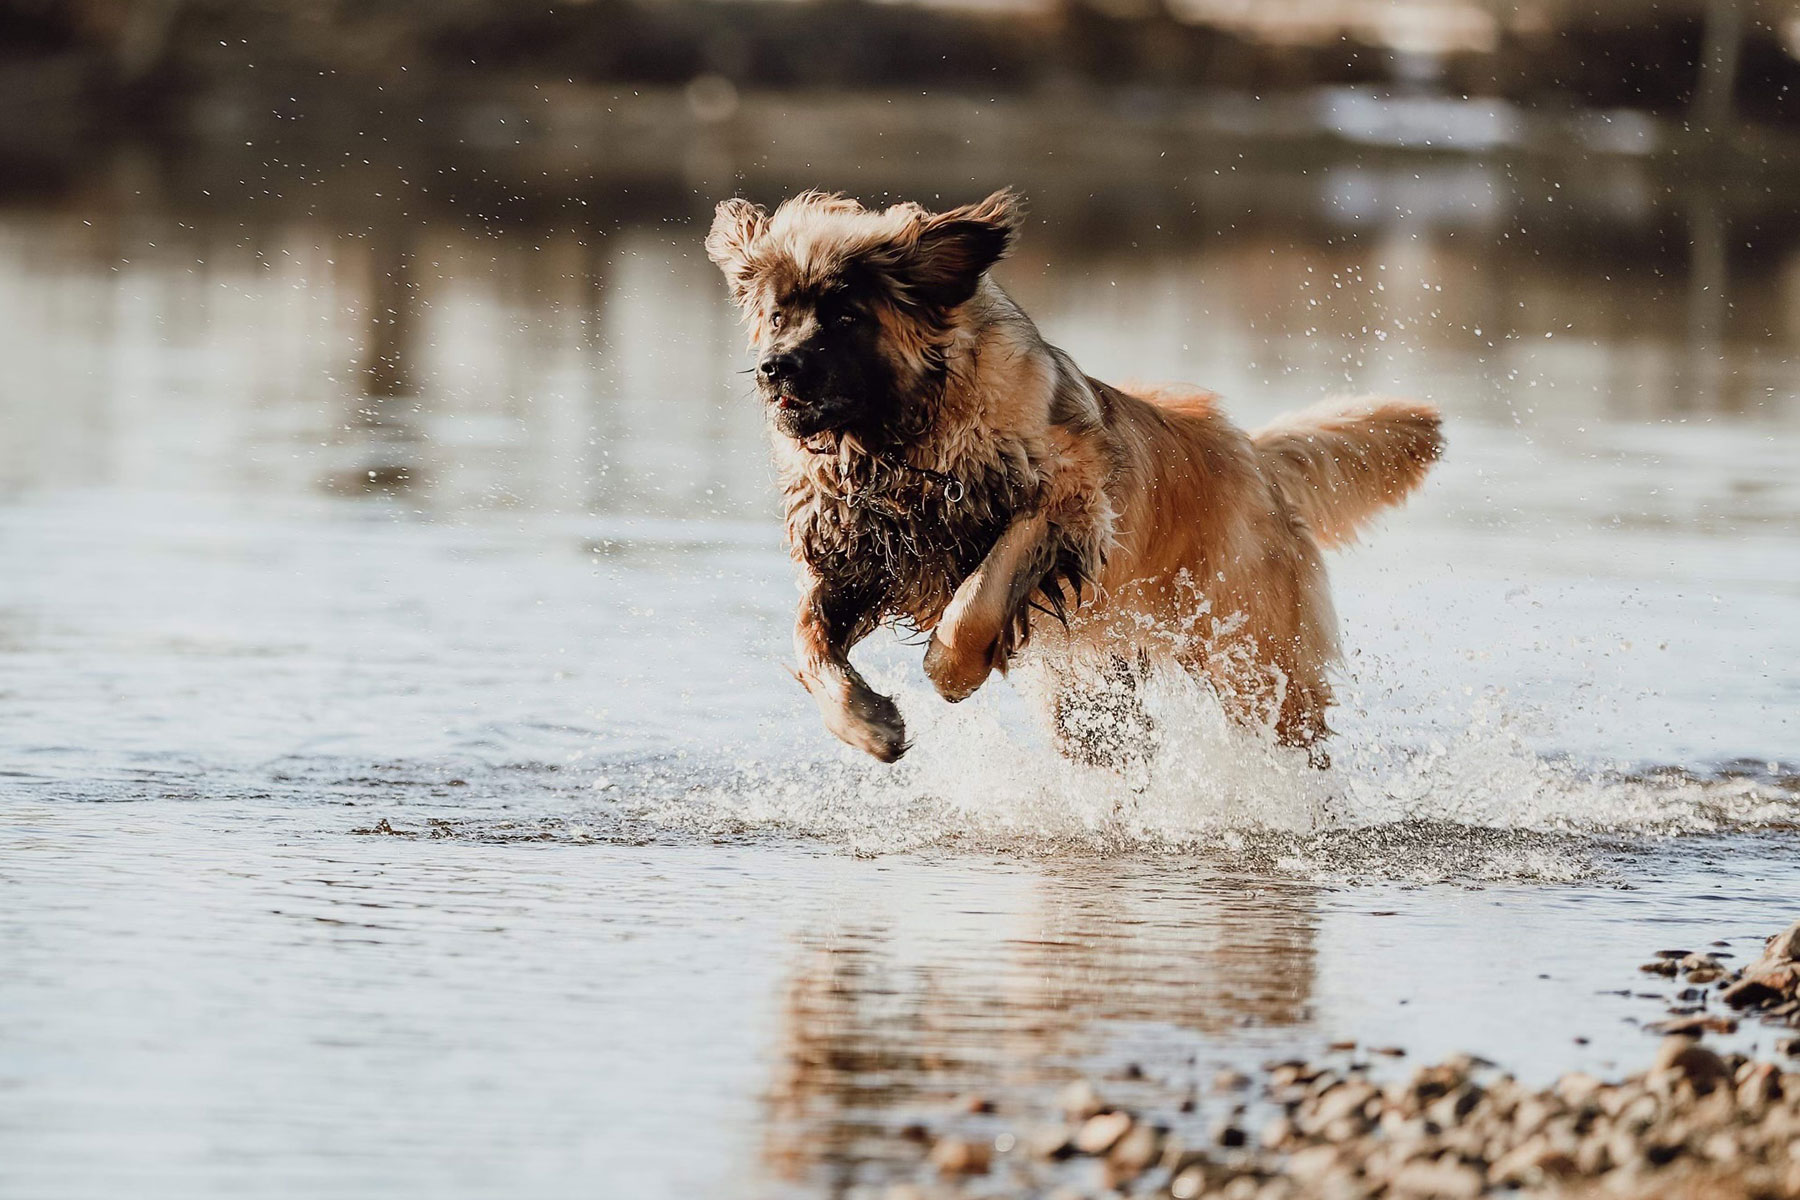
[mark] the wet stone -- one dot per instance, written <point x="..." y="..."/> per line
<point x="961" y="1156"/>
<point x="1101" y="1132"/>
<point x="1080" y="1100"/>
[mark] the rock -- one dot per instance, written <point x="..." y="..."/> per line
<point x="1312" y="1163"/>
<point x="1428" y="1083"/>
<point x="1345" y="1100"/>
<point x="1758" y="1086"/>
<point x="1188" y="1183"/>
<point x="1290" y="1074"/>
<point x="972" y="1103"/>
<point x="1050" y="1141"/>
<point x="1230" y="1081"/>
<point x="1244" y="1187"/>
<point x="1529" y="1162"/>
<point x="1452" y="1109"/>
<point x="1099" y="1133"/>
<point x="1683" y="1059"/>
<point x="961" y="1156"/>
<point x="1279" y="1133"/>
<point x="1750" y="992"/>
<point x="1694" y="1026"/>
<point x="1577" y="1087"/>
<point x="1661" y="966"/>
<point x="1079" y="1100"/>
<point x="1784" y="946"/>
<point x="1133" y="1154"/>
<point x="1438" y="1180"/>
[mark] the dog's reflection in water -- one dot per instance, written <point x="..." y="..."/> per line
<point x="882" y="1023"/>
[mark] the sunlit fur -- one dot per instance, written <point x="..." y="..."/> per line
<point x="1111" y="527"/>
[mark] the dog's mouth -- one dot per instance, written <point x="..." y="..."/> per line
<point x="801" y="415"/>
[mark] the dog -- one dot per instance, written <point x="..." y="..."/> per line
<point x="944" y="468"/>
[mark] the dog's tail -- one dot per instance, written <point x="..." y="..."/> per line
<point x="1339" y="463"/>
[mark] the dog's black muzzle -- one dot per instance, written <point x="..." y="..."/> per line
<point x="801" y="417"/>
<point x="804" y="404"/>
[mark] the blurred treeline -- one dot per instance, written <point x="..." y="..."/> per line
<point x="110" y="61"/>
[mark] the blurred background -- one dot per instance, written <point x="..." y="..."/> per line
<point x="363" y="219"/>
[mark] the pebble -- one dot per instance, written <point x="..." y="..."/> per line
<point x="1101" y="1132"/>
<point x="1772" y="982"/>
<point x="1439" y="1179"/>
<point x="1694" y="1026"/>
<point x="1685" y="1060"/>
<point x="961" y="1156"/>
<point x="1079" y="1100"/>
<point x="1133" y="1154"/>
<point x="1188" y="1184"/>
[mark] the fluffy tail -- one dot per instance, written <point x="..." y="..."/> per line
<point x="1340" y="462"/>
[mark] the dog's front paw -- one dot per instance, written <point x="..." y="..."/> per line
<point x="956" y="675"/>
<point x="869" y="721"/>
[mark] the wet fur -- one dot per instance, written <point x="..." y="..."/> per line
<point x="946" y="469"/>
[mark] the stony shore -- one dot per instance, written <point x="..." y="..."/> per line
<point x="1693" y="1124"/>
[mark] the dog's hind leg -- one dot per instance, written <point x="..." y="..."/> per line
<point x="1100" y="720"/>
<point x="1283" y="695"/>
<point x="1300" y="722"/>
<point x="831" y="620"/>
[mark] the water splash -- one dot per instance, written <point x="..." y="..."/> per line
<point x="1472" y="799"/>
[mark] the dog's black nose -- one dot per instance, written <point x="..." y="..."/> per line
<point x="780" y="368"/>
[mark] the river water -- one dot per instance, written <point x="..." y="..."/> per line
<point x="402" y="791"/>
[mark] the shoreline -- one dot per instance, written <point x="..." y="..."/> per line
<point x="1692" y="1123"/>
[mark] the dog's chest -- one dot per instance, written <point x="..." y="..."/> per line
<point x="902" y="538"/>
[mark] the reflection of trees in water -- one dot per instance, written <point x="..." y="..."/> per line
<point x="879" y="1024"/>
<point x="383" y="424"/>
<point x="574" y="351"/>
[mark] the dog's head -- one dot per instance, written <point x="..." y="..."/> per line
<point x="850" y="308"/>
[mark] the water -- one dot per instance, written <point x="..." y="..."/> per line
<point x="401" y="790"/>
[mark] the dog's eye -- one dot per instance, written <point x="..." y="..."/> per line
<point x="775" y="320"/>
<point x="848" y="317"/>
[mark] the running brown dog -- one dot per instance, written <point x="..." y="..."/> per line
<point x="946" y="468"/>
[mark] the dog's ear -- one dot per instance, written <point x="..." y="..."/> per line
<point x="955" y="248"/>
<point x="737" y="224"/>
